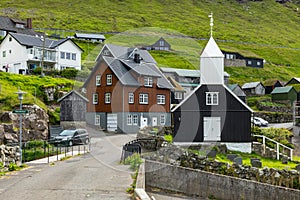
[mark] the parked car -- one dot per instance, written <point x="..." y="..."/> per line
<point x="257" y="121"/>
<point x="72" y="137"/>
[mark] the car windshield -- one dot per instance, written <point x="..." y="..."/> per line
<point x="67" y="133"/>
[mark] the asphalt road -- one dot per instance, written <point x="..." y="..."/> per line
<point x="96" y="175"/>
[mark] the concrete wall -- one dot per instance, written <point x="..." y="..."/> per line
<point x="204" y="184"/>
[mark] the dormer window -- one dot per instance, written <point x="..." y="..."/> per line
<point x="20" y="26"/>
<point x="212" y="98"/>
<point x="148" y="81"/>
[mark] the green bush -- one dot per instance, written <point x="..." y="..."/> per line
<point x="69" y="73"/>
<point x="168" y="138"/>
<point x="134" y="161"/>
<point x="13" y="167"/>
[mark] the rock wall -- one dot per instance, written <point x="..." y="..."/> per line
<point x="275" y="117"/>
<point x="34" y="125"/>
<point x="9" y="155"/>
<point x="181" y="157"/>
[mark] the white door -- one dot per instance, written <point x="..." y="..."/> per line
<point x="154" y="121"/>
<point x="212" y="128"/>
<point x="112" y="122"/>
<point x="144" y="122"/>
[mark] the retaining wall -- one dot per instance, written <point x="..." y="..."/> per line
<point x="204" y="184"/>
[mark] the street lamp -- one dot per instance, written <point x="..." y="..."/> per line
<point x="20" y="97"/>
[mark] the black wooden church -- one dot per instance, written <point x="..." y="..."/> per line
<point x="212" y="112"/>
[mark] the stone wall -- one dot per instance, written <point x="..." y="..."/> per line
<point x="205" y="184"/>
<point x="275" y="117"/>
<point x="9" y="155"/>
<point x="34" y="125"/>
<point x="184" y="158"/>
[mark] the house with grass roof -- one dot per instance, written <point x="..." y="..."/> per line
<point x="245" y="59"/>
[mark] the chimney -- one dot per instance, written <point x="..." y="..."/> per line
<point x="137" y="58"/>
<point x="29" y="23"/>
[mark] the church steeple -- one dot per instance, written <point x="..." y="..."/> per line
<point x="211" y="61"/>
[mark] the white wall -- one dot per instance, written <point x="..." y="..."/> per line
<point x="69" y="47"/>
<point x="17" y="56"/>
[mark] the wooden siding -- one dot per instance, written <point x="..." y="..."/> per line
<point x="235" y="117"/>
<point x="118" y="91"/>
<point x="72" y="108"/>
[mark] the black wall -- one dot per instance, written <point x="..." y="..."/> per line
<point x="235" y="117"/>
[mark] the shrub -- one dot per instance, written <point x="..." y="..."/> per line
<point x="134" y="161"/>
<point x="168" y="138"/>
<point x="69" y="73"/>
<point x="13" y="167"/>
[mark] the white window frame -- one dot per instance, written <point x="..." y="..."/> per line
<point x="62" y="55"/>
<point x="161" y="43"/>
<point x="148" y="81"/>
<point x="143" y="98"/>
<point x="97" y="120"/>
<point x="3" y="54"/>
<point x="178" y="95"/>
<point x="161" y="99"/>
<point x="98" y="80"/>
<point x="129" y="119"/>
<point x="162" y="120"/>
<point x="107" y="97"/>
<point x="68" y="56"/>
<point x="212" y="98"/>
<point x="108" y="79"/>
<point x="135" y="120"/>
<point x="130" y="97"/>
<point x="95" y="98"/>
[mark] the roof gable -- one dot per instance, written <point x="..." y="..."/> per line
<point x="251" y="85"/>
<point x="71" y="92"/>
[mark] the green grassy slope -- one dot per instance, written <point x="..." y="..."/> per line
<point x="265" y="28"/>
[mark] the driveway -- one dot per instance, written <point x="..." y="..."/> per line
<point x="96" y="175"/>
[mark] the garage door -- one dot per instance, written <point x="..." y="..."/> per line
<point x="112" y="122"/>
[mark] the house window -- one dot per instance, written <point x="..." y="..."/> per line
<point x="95" y="98"/>
<point x="148" y="81"/>
<point x="62" y="55"/>
<point x="107" y="97"/>
<point x="130" y="97"/>
<point x="68" y="56"/>
<point x="143" y="98"/>
<point x="62" y="67"/>
<point x="3" y="54"/>
<point x="162" y="120"/>
<point x="161" y="43"/>
<point x="135" y="120"/>
<point x="178" y="95"/>
<point x="9" y="51"/>
<point x="161" y="99"/>
<point x="98" y="80"/>
<point x="73" y="56"/>
<point x="108" y="79"/>
<point x="97" y="120"/>
<point x="129" y="119"/>
<point x="258" y="63"/>
<point x="9" y="39"/>
<point x="212" y="98"/>
<point x="249" y="62"/>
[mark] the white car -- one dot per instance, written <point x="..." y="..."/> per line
<point x="257" y="121"/>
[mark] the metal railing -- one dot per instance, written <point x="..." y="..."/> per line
<point x="277" y="149"/>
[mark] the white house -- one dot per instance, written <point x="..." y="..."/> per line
<point x="20" y="53"/>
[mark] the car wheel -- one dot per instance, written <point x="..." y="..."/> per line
<point x="86" y="141"/>
<point x="70" y="143"/>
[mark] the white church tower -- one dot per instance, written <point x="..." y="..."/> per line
<point x="211" y="62"/>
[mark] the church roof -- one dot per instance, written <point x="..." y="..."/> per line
<point x="211" y="50"/>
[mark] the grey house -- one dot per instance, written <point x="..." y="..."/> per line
<point x="72" y="110"/>
<point x="9" y="25"/>
<point x="238" y="91"/>
<point x="212" y="113"/>
<point x="160" y="44"/>
<point x="254" y="88"/>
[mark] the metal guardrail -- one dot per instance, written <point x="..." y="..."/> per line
<point x="278" y="145"/>
<point x="38" y="149"/>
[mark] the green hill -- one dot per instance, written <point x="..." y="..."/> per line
<point x="264" y="28"/>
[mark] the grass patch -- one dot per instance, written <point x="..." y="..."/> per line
<point x="65" y="158"/>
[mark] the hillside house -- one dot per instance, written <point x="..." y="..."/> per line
<point x="238" y="91"/>
<point x="237" y="59"/>
<point x="90" y="37"/>
<point x="254" y="88"/>
<point x="293" y="81"/>
<point x="160" y="44"/>
<point x="270" y="86"/>
<point x="127" y="91"/>
<point x="9" y="25"/>
<point x="20" y="53"/>
<point x="72" y="110"/>
<point x="212" y="113"/>
<point x="283" y="94"/>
